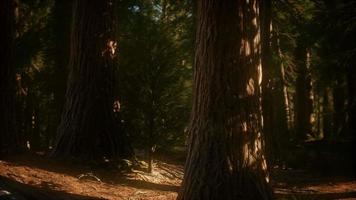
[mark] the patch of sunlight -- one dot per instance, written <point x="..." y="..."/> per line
<point x="4" y="193"/>
<point x="256" y="42"/>
<point x="250" y="87"/>
<point x="229" y="164"/>
<point x="111" y="45"/>
<point x="312" y="118"/>
<point x="258" y="144"/>
<point x="259" y="68"/>
<point x="249" y="158"/>
<point x="254" y="21"/>
<point x="244" y="127"/>
<point x="264" y="168"/>
<point x="110" y="49"/>
<point x="247" y="47"/>
<point x="116" y="106"/>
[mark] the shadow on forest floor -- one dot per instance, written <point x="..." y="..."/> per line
<point x="10" y="189"/>
<point x="323" y="196"/>
<point x="307" y="185"/>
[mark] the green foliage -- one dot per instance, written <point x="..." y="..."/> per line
<point x="326" y="29"/>
<point x="155" y="74"/>
<point x="31" y="41"/>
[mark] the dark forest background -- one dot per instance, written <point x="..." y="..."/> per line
<point x="308" y="97"/>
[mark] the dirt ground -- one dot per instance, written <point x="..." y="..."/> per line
<point x="36" y="177"/>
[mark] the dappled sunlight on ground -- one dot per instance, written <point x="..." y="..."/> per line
<point x="163" y="183"/>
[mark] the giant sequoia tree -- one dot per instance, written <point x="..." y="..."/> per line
<point x="226" y="151"/>
<point x="8" y="139"/>
<point x="88" y="129"/>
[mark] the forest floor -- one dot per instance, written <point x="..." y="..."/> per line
<point x="32" y="176"/>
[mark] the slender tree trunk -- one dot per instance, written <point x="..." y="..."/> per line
<point x="61" y="30"/>
<point x="88" y="129"/>
<point x="267" y="81"/>
<point x="303" y="101"/>
<point x="151" y="139"/>
<point x="9" y="140"/>
<point x="339" y="109"/>
<point x="226" y="149"/>
<point x="21" y="107"/>
<point x="351" y="82"/>
<point x="327" y="114"/>
<point x="351" y="79"/>
<point x="35" y="138"/>
<point x="319" y="110"/>
<point x="284" y="86"/>
<point x="275" y="126"/>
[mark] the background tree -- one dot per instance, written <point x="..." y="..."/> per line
<point x="88" y="129"/>
<point x="9" y="140"/>
<point x="226" y="149"/>
<point x="31" y="71"/>
<point x="315" y="69"/>
<point x="58" y="60"/>
<point x="275" y="126"/>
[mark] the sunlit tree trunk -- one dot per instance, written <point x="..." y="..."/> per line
<point x="8" y="135"/>
<point x="226" y="150"/>
<point x="267" y="82"/>
<point x="88" y="129"/>
<point x="275" y="126"/>
<point x="303" y="101"/>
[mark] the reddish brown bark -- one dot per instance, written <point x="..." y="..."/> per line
<point x="88" y="129"/>
<point x="226" y="149"/>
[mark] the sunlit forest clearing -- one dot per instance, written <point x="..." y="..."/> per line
<point x="187" y="100"/>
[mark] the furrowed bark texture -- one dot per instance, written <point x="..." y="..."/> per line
<point x="226" y="156"/>
<point x="88" y="129"/>
<point x="8" y="135"/>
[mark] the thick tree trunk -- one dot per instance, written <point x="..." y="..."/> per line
<point x="9" y="141"/>
<point x="303" y="101"/>
<point x="226" y="150"/>
<point x="88" y="129"/>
